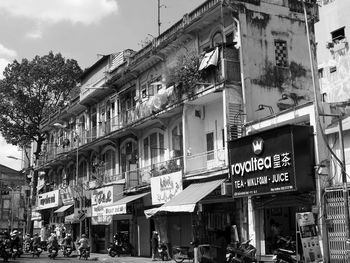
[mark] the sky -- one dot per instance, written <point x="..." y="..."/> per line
<point x="80" y="30"/>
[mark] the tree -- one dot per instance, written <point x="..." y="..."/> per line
<point x="30" y="91"/>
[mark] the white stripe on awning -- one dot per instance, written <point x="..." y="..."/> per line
<point x="62" y="208"/>
<point x="186" y="200"/>
<point x="119" y="207"/>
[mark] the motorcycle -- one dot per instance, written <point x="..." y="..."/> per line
<point x="53" y="252"/>
<point x="5" y="250"/>
<point x="163" y="252"/>
<point x="180" y="253"/>
<point x="116" y="249"/>
<point x="286" y="253"/>
<point x="27" y="246"/>
<point x="67" y="251"/>
<point x="37" y="251"/>
<point x="241" y="253"/>
<point x="84" y="253"/>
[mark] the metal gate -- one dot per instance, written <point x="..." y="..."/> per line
<point x="335" y="218"/>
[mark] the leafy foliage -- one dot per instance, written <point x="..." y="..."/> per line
<point x="185" y="74"/>
<point x="30" y="91"/>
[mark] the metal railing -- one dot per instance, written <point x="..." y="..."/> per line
<point x="204" y="161"/>
<point x="143" y="175"/>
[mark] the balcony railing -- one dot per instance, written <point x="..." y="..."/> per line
<point x="142" y="176"/>
<point x="202" y="162"/>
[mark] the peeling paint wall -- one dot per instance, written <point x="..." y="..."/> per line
<point x="264" y="81"/>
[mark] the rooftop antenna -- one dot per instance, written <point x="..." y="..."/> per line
<point x="159" y="23"/>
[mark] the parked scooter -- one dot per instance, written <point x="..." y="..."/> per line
<point x="119" y="246"/>
<point x="286" y="253"/>
<point x="242" y="252"/>
<point x="163" y="252"/>
<point x="180" y="253"/>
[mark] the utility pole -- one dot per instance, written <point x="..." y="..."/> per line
<point x="159" y="23"/>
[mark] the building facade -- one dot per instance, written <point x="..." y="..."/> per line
<point x="143" y="144"/>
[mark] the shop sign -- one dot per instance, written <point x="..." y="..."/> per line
<point x="67" y="195"/>
<point x="101" y="220"/>
<point x="36" y="216"/>
<point x="115" y="210"/>
<point x="165" y="187"/>
<point x="309" y="237"/>
<point x="102" y="196"/>
<point x="48" y="200"/>
<point x="277" y="160"/>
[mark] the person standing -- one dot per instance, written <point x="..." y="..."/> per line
<point x="154" y="244"/>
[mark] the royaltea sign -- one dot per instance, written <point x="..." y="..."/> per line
<point x="277" y="160"/>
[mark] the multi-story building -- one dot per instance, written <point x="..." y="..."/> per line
<point x="143" y="145"/>
<point x="331" y="33"/>
<point x="12" y="200"/>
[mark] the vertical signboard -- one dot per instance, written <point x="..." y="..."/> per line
<point x="309" y="237"/>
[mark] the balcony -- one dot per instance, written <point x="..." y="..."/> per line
<point x="205" y="162"/>
<point x="142" y="176"/>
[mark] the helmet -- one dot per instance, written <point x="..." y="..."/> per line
<point x="83" y="235"/>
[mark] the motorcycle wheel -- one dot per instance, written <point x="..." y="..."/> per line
<point x="178" y="258"/>
<point x="165" y="257"/>
<point x="112" y="253"/>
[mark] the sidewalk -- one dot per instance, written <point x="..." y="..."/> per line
<point x="105" y="258"/>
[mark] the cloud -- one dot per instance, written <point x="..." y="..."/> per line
<point x="4" y="51"/>
<point x="54" y="11"/>
<point x="3" y="63"/>
<point x="9" y="150"/>
<point x="35" y="34"/>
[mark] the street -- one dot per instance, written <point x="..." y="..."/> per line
<point x="73" y="259"/>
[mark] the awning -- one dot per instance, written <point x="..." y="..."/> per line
<point x="210" y="58"/>
<point x="186" y="200"/>
<point x="71" y="219"/>
<point x="119" y="207"/>
<point x="62" y="208"/>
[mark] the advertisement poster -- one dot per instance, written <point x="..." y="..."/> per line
<point x="309" y="237"/>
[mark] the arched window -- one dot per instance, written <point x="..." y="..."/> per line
<point x="217" y="39"/>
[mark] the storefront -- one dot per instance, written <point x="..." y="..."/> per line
<point x="274" y="172"/>
<point x="129" y="221"/>
<point x="196" y="213"/>
<point x="47" y="203"/>
<point x="100" y="222"/>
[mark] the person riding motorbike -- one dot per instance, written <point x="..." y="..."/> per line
<point x="36" y="241"/>
<point x="83" y="244"/>
<point x="27" y="243"/>
<point x="52" y="242"/>
<point x="68" y="242"/>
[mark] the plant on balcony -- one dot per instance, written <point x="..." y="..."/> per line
<point x="185" y="75"/>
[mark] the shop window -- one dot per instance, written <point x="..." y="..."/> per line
<point x="338" y="35"/>
<point x="210" y="146"/>
<point x="281" y="54"/>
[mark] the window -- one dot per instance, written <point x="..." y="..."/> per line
<point x="338" y="34"/>
<point x="210" y="146"/>
<point x="176" y="140"/>
<point x="320" y="73"/>
<point x="144" y="91"/>
<point x="281" y="54"/>
<point x="332" y="69"/>
<point x="217" y="39"/>
<point x="153" y="148"/>
<point x="109" y="161"/>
